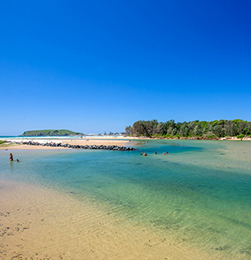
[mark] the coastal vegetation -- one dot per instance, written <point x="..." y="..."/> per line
<point x="4" y="144"/>
<point x="200" y="129"/>
<point x="62" y="132"/>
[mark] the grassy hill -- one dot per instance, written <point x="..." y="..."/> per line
<point x="62" y="132"/>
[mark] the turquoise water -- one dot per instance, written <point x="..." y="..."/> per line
<point x="199" y="194"/>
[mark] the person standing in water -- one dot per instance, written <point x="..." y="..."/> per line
<point x="11" y="157"/>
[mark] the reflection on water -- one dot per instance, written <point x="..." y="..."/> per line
<point x="199" y="193"/>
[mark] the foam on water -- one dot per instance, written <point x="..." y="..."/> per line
<point x="198" y="194"/>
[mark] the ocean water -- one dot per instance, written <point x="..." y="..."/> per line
<point x="199" y="194"/>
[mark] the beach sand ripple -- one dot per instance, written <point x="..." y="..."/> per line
<point x="38" y="223"/>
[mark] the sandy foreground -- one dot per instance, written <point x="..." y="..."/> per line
<point x="65" y="141"/>
<point x="37" y="223"/>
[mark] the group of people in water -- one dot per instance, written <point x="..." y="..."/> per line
<point x="145" y="154"/>
<point x="11" y="158"/>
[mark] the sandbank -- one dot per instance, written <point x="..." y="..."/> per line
<point x="84" y="141"/>
<point x="38" y="223"/>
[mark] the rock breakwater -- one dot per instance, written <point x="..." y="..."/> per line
<point x="92" y="147"/>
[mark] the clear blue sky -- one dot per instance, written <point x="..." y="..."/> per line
<point x="95" y="66"/>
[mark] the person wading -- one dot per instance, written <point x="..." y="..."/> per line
<point x="11" y="157"/>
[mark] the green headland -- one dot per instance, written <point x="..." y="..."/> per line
<point x="62" y="132"/>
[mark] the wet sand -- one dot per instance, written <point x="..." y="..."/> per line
<point x="38" y="223"/>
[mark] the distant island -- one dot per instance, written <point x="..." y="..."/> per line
<point x="62" y="132"/>
<point x="195" y="129"/>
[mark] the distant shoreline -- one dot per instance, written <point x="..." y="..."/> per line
<point x="16" y="143"/>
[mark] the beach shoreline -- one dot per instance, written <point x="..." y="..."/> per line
<point x="18" y="144"/>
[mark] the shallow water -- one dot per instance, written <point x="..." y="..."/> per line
<point x="199" y="194"/>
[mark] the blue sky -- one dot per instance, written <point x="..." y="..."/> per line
<point x="95" y="66"/>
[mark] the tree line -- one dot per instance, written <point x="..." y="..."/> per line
<point x="204" y="129"/>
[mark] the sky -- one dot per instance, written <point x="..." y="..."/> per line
<point x="96" y="66"/>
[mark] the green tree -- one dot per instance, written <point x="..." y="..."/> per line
<point x="128" y="130"/>
<point x="218" y="130"/>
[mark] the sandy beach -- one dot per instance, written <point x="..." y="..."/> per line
<point x="38" y="223"/>
<point x="84" y="141"/>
